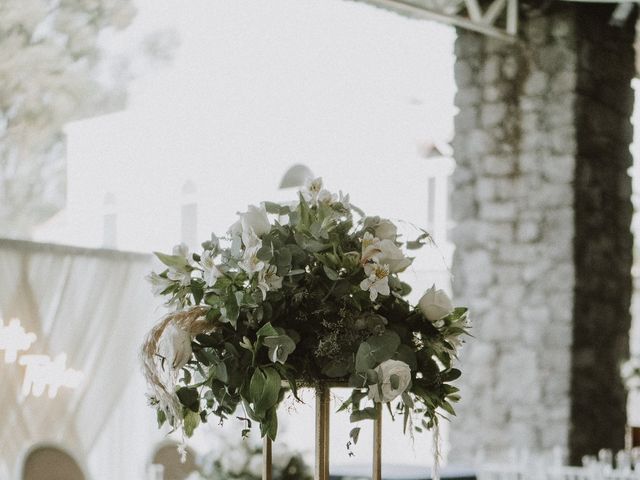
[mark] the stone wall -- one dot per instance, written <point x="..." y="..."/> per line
<point x="541" y="222"/>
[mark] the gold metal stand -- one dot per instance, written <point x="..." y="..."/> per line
<point x="323" y="412"/>
<point x="376" y="473"/>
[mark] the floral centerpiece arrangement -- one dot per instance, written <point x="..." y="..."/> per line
<point x="242" y="460"/>
<point x="295" y="295"/>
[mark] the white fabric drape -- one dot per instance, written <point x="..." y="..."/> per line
<point x="93" y="305"/>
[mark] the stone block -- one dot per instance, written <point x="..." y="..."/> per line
<point x="558" y="168"/>
<point x="491" y="69"/>
<point x="485" y="189"/>
<point x="562" y="140"/>
<point x="495" y="327"/>
<point x="527" y="231"/>
<point x="461" y="176"/>
<point x="468" y="96"/>
<point x="533" y="334"/>
<point x="499" y="211"/>
<point x="465" y="234"/>
<point x="550" y="195"/>
<point x="564" y="82"/>
<point x="466" y="119"/>
<point x="536" y="29"/>
<point x="464" y="206"/>
<point x="519" y="253"/>
<point x="482" y="354"/>
<point x="510" y="67"/>
<point x="537" y="83"/>
<point x="492" y="114"/>
<point x="532" y="104"/>
<point x="464" y="74"/>
<point x="477" y="267"/>
<point x="480" y="143"/>
<point x="508" y="274"/>
<point x="499" y="165"/>
<point x="535" y="271"/>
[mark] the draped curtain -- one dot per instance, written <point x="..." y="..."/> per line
<point x="92" y="305"/>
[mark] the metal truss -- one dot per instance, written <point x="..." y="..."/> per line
<point x="497" y="19"/>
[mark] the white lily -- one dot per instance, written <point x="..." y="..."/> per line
<point x="255" y="219"/>
<point x="250" y="262"/>
<point x="211" y="273"/>
<point x="377" y="281"/>
<point x="311" y="189"/>
<point x="268" y="280"/>
<point x="370" y="248"/>
<point x="158" y="284"/>
<point x="182" y="275"/>
<point x="250" y="239"/>
<point x="391" y="255"/>
<point x="325" y="196"/>
<point x="344" y="200"/>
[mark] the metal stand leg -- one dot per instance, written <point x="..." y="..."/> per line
<point x="376" y="473"/>
<point x="323" y="411"/>
<point x="267" y="464"/>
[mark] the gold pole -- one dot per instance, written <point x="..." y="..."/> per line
<point x="323" y="411"/>
<point x="267" y="467"/>
<point x="376" y="473"/>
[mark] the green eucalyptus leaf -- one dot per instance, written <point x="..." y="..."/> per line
<point x="191" y="422"/>
<point x="280" y="347"/>
<point x="368" y="413"/>
<point x="267" y="330"/>
<point x="354" y="434"/>
<point x="330" y="273"/>
<point x="173" y="261"/>
<point x="265" y="253"/>
<point x="384" y="346"/>
<point x="273" y="208"/>
<point x="265" y="389"/>
<point x="364" y="358"/>
<point x="189" y="397"/>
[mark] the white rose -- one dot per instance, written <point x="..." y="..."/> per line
<point x="435" y="304"/>
<point x="383" y="391"/>
<point x="325" y="196"/>
<point x="386" y="230"/>
<point x="391" y="255"/>
<point x="158" y="284"/>
<point x="175" y="346"/>
<point x="255" y="219"/>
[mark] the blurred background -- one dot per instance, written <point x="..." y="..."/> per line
<point x="128" y="126"/>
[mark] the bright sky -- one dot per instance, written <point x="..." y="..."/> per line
<point x="351" y="91"/>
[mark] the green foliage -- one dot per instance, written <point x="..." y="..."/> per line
<point x="293" y="307"/>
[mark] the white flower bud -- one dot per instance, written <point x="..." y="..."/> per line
<point x="435" y="304"/>
<point x="175" y="346"/>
